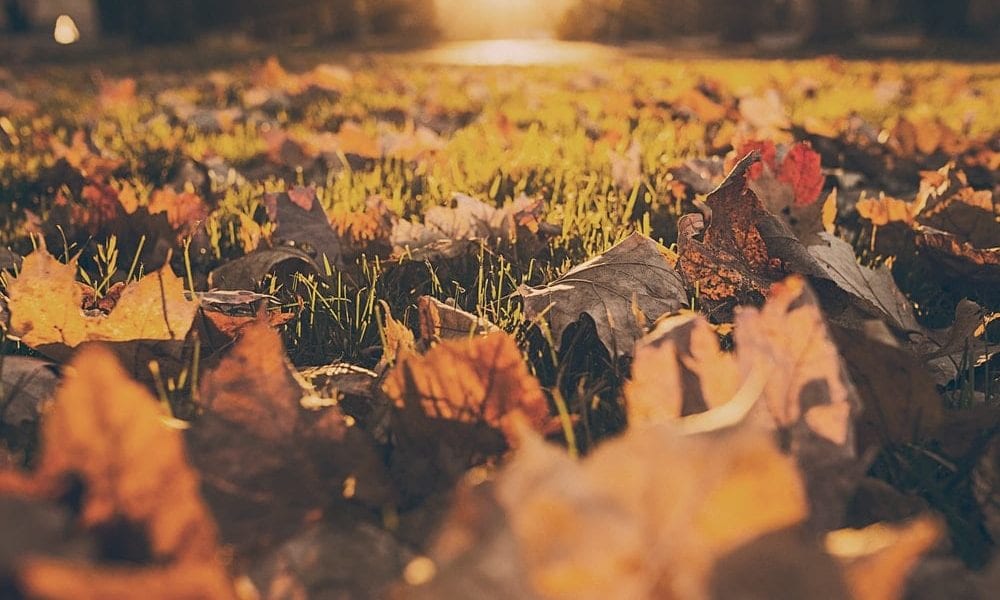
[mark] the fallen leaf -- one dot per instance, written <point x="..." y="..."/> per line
<point x="302" y="224"/>
<point x="441" y="321"/>
<point x="873" y="290"/>
<point x="46" y="307"/>
<point x="619" y="525"/>
<point x="878" y="558"/>
<point x="26" y="386"/>
<point x="264" y="456"/>
<point x="107" y="430"/>
<point x="250" y="270"/>
<point x="800" y="168"/>
<point x="631" y="282"/>
<point x="476" y="380"/>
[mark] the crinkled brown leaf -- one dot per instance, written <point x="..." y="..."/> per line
<point x="46" y="307"/>
<point x="628" y="285"/>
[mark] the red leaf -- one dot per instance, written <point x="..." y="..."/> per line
<point x="801" y="169"/>
<point x="768" y="156"/>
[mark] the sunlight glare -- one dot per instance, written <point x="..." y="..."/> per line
<point x="66" y="31"/>
<point x="515" y="53"/>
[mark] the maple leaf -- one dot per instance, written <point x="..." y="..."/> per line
<point x="620" y="289"/>
<point x="477" y="380"/>
<point x="107" y="430"/>
<point x="46" y="307"/>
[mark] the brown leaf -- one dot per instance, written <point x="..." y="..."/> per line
<point x="301" y="223"/>
<point x="619" y="525"/>
<point x="620" y="289"/>
<point x="45" y="307"/>
<point x="732" y="259"/>
<point x="107" y="430"/>
<point x="872" y="290"/>
<point x="264" y="455"/>
<point x="441" y="321"/>
<point x="477" y="380"/>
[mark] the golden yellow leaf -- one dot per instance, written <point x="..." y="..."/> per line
<point x="45" y="307"/>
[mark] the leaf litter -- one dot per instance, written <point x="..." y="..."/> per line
<point x="355" y="334"/>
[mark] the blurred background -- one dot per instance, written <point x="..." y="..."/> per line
<point x="800" y="22"/>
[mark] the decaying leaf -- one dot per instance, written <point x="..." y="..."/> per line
<point x="46" y="307"/>
<point x="628" y="285"/>
<point x="477" y="380"/>
<point x="107" y="430"/>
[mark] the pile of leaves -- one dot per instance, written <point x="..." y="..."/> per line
<point x="654" y="330"/>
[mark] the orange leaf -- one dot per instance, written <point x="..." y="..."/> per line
<point x="801" y="169"/>
<point x="478" y="380"/>
<point x="107" y="429"/>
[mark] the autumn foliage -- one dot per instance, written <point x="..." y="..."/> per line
<point x="665" y="331"/>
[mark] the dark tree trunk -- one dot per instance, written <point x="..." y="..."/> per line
<point x="17" y="21"/>
<point x="737" y="20"/>
<point x="945" y="18"/>
<point x="833" y="22"/>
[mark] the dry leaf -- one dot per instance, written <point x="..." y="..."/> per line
<point x="107" y="429"/>
<point x="630" y="283"/>
<point x="302" y="224"/>
<point x="620" y="525"/>
<point x="46" y="307"/>
<point x="264" y="456"/>
<point x="873" y="290"/>
<point x="441" y="321"/>
<point x="477" y="380"/>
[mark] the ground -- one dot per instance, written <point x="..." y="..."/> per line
<point x="358" y="289"/>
